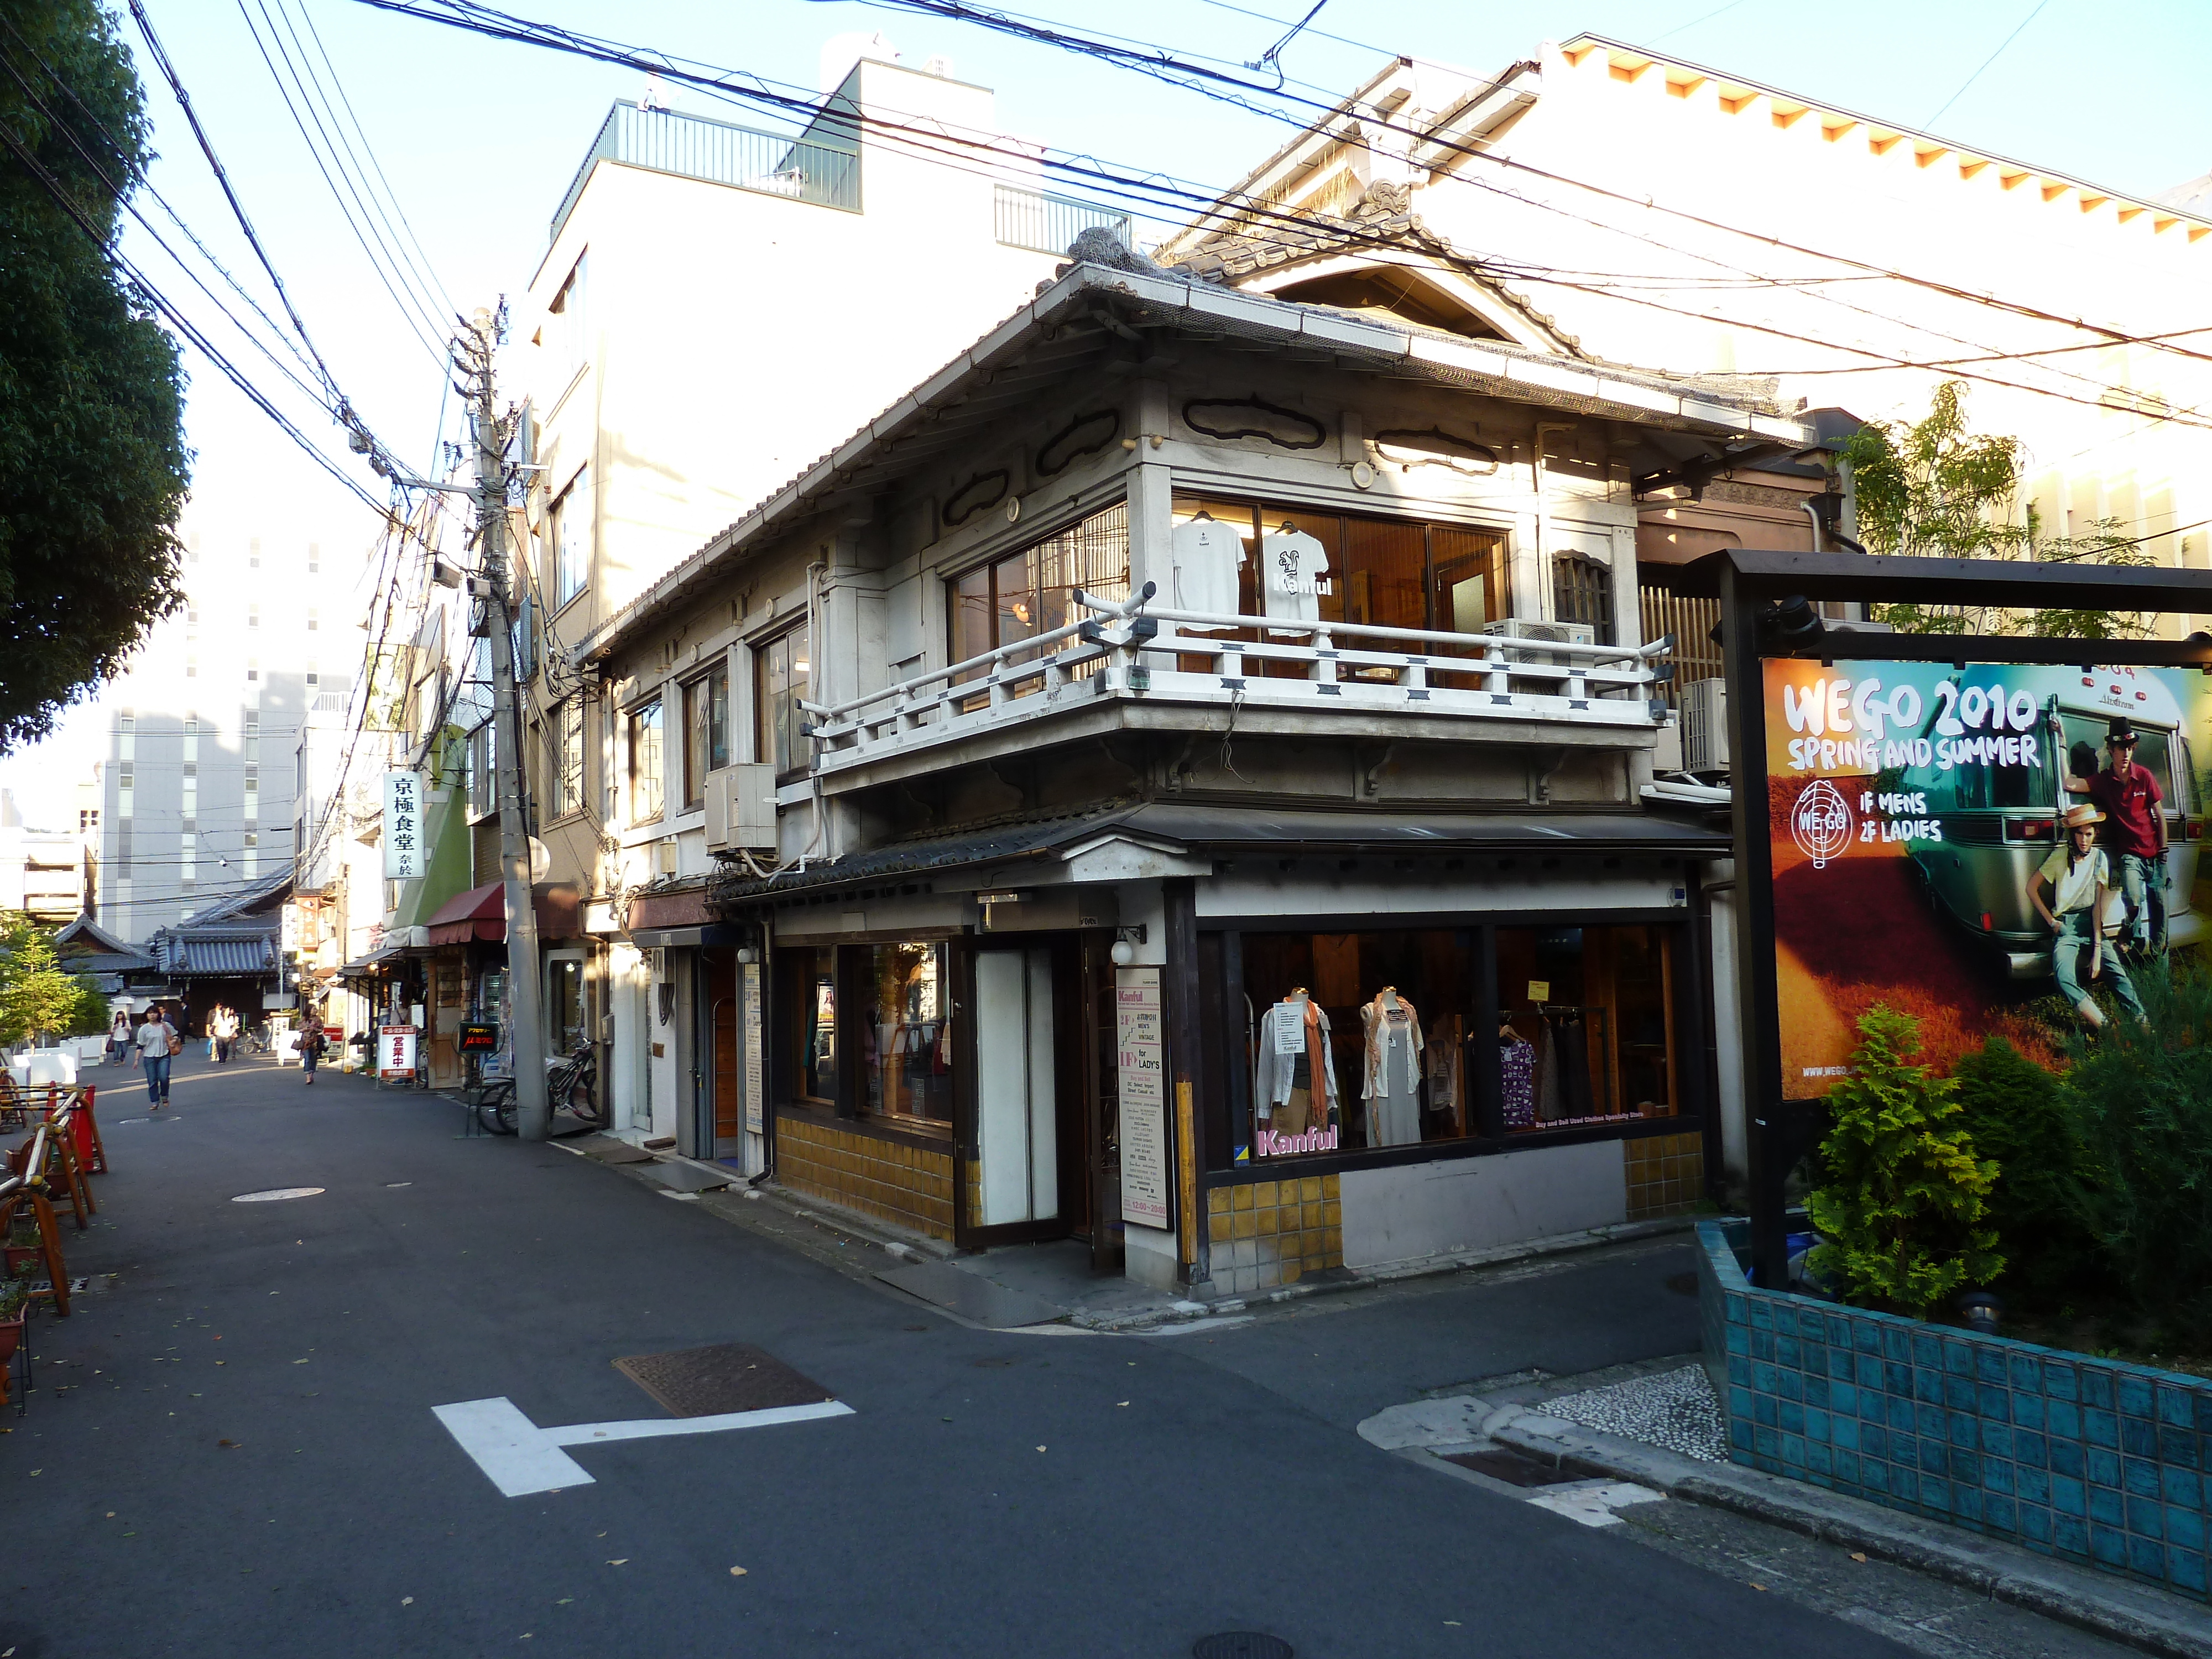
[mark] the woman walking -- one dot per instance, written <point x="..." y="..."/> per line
<point x="310" y="1050"/>
<point x="2079" y="879"/>
<point x="121" y="1041"/>
<point x="155" y="1038"/>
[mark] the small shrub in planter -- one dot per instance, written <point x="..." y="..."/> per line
<point x="2017" y="1113"/>
<point x="13" y="1303"/>
<point x="1902" y="1196"/>
<point x="2140" y="1100"/>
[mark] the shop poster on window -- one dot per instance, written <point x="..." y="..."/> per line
<point x="1908" y="805"/>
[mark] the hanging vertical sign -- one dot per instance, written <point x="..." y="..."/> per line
<point x="403" y="825"/>
<point x="1140" y="1072"/>
<point x="749" y="1020"/>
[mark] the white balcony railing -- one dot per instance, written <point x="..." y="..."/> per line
<point x="1131" y="650"/>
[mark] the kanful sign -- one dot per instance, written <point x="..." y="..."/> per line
<point x="404" y="852"/>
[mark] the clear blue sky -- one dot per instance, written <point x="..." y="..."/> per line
<point x="479" y="138"/>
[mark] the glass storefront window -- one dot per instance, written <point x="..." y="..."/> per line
<point x="1381" y="1018"/>
<point x="908" y="1063"/>
<point x="1587" y="1017"/>
<point x="813" y="1028"/>
<point x="1358" y="1041"/>
<point x="564" y="1004"/>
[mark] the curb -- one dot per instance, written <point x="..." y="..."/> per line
<point x="2147" y="1621"/>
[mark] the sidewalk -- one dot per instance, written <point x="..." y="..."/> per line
<point x="1456" y="1432"/>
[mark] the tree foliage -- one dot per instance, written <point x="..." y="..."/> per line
<point x="38" y="997"/>
<point x="1901" y="1201"/>
<point x="2018" y="1113"/>
<point x="92" y="464"/>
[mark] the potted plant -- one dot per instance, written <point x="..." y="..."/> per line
<point x="23" y="1251"/>
<point x="14" y="1304"/>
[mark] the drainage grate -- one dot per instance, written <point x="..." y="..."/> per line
<point x="733" y="1376"/>
<point x="1682" y="1284"/>
<point x="1242" y="1645"/>
<point x="1513" y="1468"/>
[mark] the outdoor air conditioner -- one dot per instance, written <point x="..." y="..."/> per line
<point x="1566" y="633"/>
<point x="1705" y="726"/>
<point x="741" y="806"/>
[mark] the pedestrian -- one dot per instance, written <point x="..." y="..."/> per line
<point x="225" y="1026"/>
<point x="2079" y="876"/>
<point x="119" y="1040"/>
<point x="311" y="1049"/>
<point x="154" y="1040"/>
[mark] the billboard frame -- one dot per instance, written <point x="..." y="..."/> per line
<point x="1749" y="582"/>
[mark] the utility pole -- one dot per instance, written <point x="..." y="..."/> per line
<point x="533" y="1116"/>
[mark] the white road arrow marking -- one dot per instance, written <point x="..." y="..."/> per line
<point x="520" y="1458"/>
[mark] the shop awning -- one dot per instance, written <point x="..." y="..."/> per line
<point x="481" y="912"/>
<point x="1224" y="831"/>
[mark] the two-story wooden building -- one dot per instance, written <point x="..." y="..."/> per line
<point x="1176" y="778"/>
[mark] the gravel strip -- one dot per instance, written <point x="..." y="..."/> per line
<point x="1677" y="1411"/>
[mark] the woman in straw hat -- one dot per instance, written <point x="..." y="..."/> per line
<point x="2080" y="876"/>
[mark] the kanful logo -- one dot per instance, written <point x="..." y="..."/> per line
<point x="1821" y="822"/>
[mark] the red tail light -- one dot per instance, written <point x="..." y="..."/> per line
<point x="2191" y="828"/>
<point x="1986" y="921"/>
<point x="2030" y="828"/>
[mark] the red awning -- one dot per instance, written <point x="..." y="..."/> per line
<point x="481" y="912"/>
<point x="677" y="909"/>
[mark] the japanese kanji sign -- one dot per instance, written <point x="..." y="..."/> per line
<point x="404" y="852"/>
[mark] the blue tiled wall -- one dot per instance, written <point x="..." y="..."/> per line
<point x="2103" y="1463"/>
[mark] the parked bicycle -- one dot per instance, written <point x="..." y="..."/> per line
<point x="571" y="1086"/>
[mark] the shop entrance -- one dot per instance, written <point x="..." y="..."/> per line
<point x="1023" y="1109"/>
<point x="716" y="1118"/>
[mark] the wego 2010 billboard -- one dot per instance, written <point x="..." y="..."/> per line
<point x="1908" y="805"/>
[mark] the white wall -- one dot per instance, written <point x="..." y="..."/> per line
<point x="1473" y="1203"/>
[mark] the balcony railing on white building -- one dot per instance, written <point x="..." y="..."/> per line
<point x="744" y="158"/>
<point x="1128" y="649"/>
<point x="1046" y="224"/>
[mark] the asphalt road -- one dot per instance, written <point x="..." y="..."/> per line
<point x="231" y="1450"/>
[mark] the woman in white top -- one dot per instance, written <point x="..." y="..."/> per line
<point x="2080" y="876"/>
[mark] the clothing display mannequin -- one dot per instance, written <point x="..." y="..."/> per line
<point x="1286" y="1102"/>
<point x="1294" y="574"/>
<point x="1208" y="556"/>
<point x="1393" y="1085"/>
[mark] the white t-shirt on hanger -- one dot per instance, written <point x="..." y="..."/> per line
<point x="1208" y="556"/>
<point x="1293" y="573"/>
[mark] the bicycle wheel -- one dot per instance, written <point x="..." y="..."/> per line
<point x="495" y="1108"/>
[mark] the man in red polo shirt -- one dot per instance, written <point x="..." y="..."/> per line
<point x="2135" y="833"/>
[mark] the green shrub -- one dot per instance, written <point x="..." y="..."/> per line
<point x="2017" y="1113"/>
<point x="1899" y="1208"/>
<point x="2140" y="1100"/>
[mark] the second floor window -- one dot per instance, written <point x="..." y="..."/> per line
<point x="645" y="774"/>
<point x="1033" y="592"/>
<point x="568" y="757"/>
<point x="1583" y="588"/>
<point x="569" y="540"/>
<point x="706" y="733"/>
<point x="783" y="673"/>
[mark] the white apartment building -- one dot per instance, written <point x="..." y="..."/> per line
<point x="197" y="779"/>
<point x="719" y="303"/>
<point x="1606" y="205"/>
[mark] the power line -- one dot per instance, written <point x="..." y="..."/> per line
<point x="1149" y="192"/>
<point x="408" y="312"/>
<point x="2034" y="12"/>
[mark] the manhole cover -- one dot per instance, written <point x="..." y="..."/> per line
<point x="276" y="1192"/>
<point x="1241" y="1644"/>
<point x="710" y="1382"/>
<point x="1513" y="1468"/>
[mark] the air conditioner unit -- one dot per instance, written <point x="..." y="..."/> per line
<point x="1564" y="633"/>
<point x="1705" y="726"/>
<point x="741" y="806"/>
